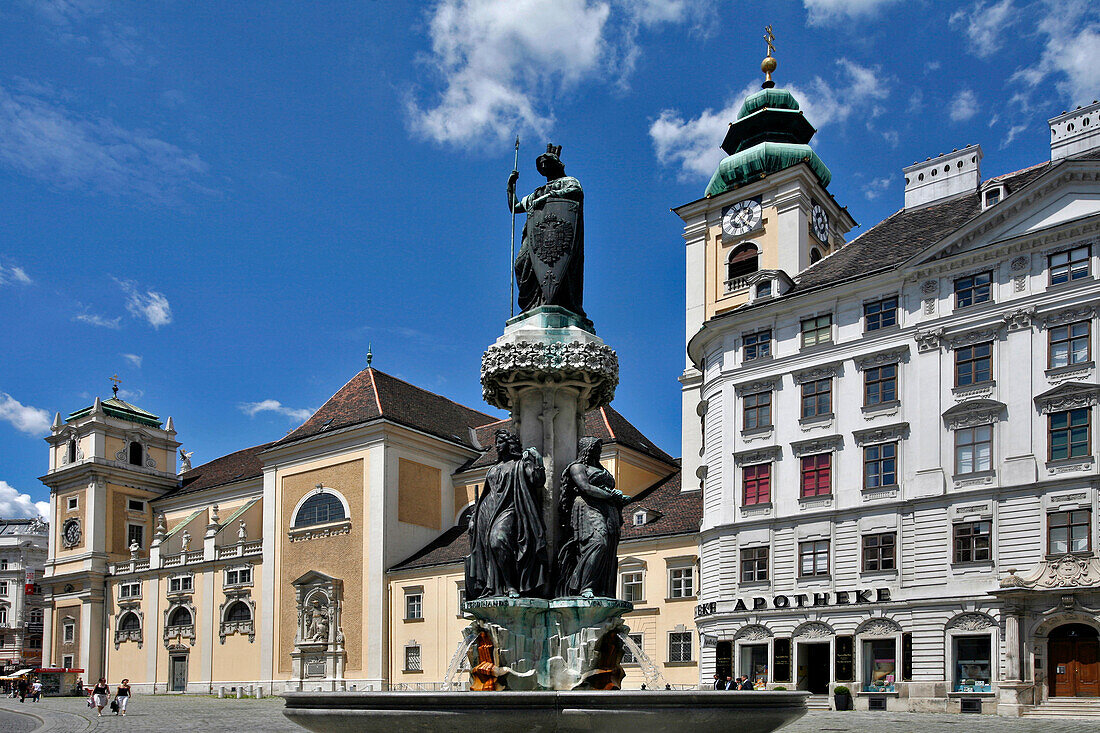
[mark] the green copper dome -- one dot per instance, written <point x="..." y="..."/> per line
<point x="771" y="133"/>
<point x="746" y="166"/>
<point x="771" y="98"/>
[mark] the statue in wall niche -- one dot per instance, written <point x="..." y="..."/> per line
<point x="317" y="624"/>
<point x="507" y="537"/>
<point x="591" y="508"/>
<point x="550" y="266"/>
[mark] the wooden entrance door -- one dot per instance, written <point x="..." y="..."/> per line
<point x="1074" y="652"/>
<point x="178" y="673"/>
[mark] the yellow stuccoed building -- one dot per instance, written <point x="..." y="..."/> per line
<point x="328" y="559"/>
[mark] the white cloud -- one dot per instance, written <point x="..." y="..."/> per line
<point x="26" y="419"/>
<point x="13" y="274"/>
<point x="134" y="359"/>
<point x="877" y="186"/>
<point x="15" y="505"/>
<point x="253" y="408"/>
<point x="94" y="319"/>
<point x="985" y="25"/>
<point x="692" y="145"/>
<point x="1070" y="33"/>
<point x="500" y="62"/>
<point x="41" y="138"/>
<point x="151" y="306"/>
<point x="964" y="105"/>
<point x="821" y="12"/>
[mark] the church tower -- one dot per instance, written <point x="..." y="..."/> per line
<point x="765" y="216"/>
<point x="106" y="462"/>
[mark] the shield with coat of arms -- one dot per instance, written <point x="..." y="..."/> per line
<point x="552" y="234"/>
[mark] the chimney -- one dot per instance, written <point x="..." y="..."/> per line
<point x="1075" y="132"/>
<point x="943" y="177"/>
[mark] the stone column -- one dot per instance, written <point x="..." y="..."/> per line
<point x="548" y="369"/>
<point x="1012" y="645"/>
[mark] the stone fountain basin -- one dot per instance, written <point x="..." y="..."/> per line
<point x="624" y="711"/>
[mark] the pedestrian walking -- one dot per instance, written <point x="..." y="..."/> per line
<point x="100" y="694"/>
<point x="122" y="696"/>
<point x="22" y="689"/>
<point x="36" y="690"/>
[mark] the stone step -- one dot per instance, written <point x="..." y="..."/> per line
<point x="1067" y="707"/>
<point x="818" y="702"/>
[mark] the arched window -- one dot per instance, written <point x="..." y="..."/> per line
<point x="239" y="611"/>
<point x="318" y="509"/>
<point x="815" y="255"/>
<point x="130" y="622"/>
<point x="135" y="453"/>
<point x="743" y="260"/>
<point x="180" y="617"/>
<point x="72" y="450"/>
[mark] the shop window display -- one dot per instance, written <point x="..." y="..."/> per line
<point x="879" y="665"/>
<point x="754" y="664"/>
<point x="973" y="670"/>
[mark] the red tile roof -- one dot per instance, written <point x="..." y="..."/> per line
<point x="238" y="466"/>
<point x="372" y="395"/>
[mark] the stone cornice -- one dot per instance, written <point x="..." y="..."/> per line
<point x="821" y="371"/>
<point x="884" y="434"/>
<point x="1068" y="396"/>
<point x="824" y="444"/>
<point x="764" y="454"/>
<point x="973" y="412"/>
<point x="890" y="356"/>
<point x="761" y="385"/>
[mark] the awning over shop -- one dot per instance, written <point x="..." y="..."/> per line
<point x="16" y="675"/>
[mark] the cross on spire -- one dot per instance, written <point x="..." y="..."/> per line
<point x="769" y="63"/>
<point x="115" y="382"/>
<point x="769" y="38"/>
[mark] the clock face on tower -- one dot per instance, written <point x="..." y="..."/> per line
<point x="742" y="217"/>
<point x="820" y="223"/>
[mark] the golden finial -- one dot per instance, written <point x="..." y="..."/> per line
<point x="769" y="63"/>
<point x="115" y="382"/>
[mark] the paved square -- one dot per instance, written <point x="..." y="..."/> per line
<point x="211" y="715"/>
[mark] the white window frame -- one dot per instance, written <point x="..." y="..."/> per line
<point x="238" y="583"/>
<point x="140" y="526"/>
<point x="72" y="503"/>
<point x="690" y="647"/>
<point x="67" y="661"/>
<point x="672" y="591"/>
<point x="179" y="580"/>
<point x="632" y="570"/>
<point x="68" y="632"/>
<point x="639" y="518"/>
<point x="4" y="563"/>
<point x="3" y="587"/>
<point x="418" y="594"/>
<point x="130" y="502"/>
<point x="639" y="638"/>
<point x="127" y="596"/>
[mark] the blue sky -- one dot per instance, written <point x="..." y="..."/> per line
<point x="225" y="203"/>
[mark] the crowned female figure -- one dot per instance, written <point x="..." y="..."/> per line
<point x="593" y="505"/>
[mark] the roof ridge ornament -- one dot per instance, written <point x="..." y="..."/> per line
<point x="115" y="381"/>
<point x="769" y="64"/>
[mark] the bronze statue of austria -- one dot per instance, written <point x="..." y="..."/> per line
<point x="507" y="537"/>
<point x="591" y="510"/>
<point x="550" y="266"/>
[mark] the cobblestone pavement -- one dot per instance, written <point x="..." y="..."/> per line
<point x="193" y="713"/>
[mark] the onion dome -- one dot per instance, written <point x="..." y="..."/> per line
<point x="771" y="133"/>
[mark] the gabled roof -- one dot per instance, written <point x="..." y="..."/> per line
<point x="677" y="512"/>
<point x="904" y="235"/>
<point x="604" y="423"/>
<point x="244" y="464"/>
<point x="374" y="395"/>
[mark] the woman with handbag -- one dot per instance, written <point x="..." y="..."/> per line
<point x="122" y="696"/>
<point x="100" y="693"/>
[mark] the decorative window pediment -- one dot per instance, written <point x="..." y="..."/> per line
<point x="179" y="622"/>
<point x="752" y="632"/>
<point x="128" y="625"/>
<point x="760" y="385"/>
<point x="884" y="434"/>
<point x="1068" y="396"/>
<point x="757" y="455"/>
<point x="973" y="412"/>
<point x="822" y="371"/>
<point x="824" y="444"/>
<point x="892" y="356"/>
<point x="878" y="627"/>
<point x="1077" y="313"/>
<point x="238" y="616"/>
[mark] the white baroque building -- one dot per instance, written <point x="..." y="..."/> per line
<point x="894" y="435"/>
<point x="22" y="558"/>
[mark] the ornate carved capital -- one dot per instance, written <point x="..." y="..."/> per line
<point x="593" y="366"/>
<point x="1019" y="319"/>
<point x="929" y="340"/>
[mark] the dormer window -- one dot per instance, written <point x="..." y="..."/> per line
<point x="743" y="260"/>
<point x="764" y="289"/>
<point x="640" y="517"/>
<point x="993" y="196"/>
<point x="135" y="453"/>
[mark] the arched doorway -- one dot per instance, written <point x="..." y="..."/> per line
<point x="1074" y="653"/>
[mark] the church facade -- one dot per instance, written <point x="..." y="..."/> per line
<point x="287" y="565"/>
<point x="894" y="435"/>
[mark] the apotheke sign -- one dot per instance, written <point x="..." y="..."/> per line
<point x="800" y="600"/>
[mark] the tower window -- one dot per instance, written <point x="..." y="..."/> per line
<point x="743" y="260"/>
<point x="135" y="453"/>
<point x="815" y="255"/>
<point x="72" y="450"/>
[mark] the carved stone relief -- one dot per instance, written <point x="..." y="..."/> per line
<point x="753" y="632"/>
<point x="813" y="630"/>
<point x="971" y="622"/>
<point x="878" y="627"/>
